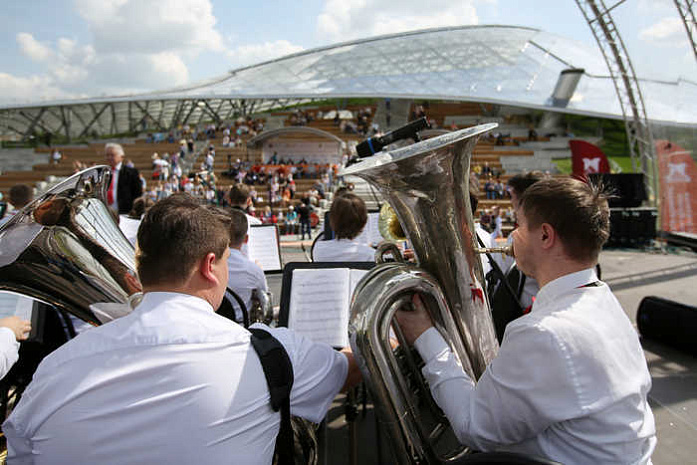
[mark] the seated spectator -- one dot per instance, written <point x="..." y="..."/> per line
<point x="20" y="196"/>
<point x="347" y="216"/>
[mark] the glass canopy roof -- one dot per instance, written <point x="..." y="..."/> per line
<point x="494" y="64"/>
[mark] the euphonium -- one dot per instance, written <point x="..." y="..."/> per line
<point x="65" y="249"/>
<point x="427" y="186"/>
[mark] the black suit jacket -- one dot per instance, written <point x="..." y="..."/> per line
<point x="128" y="189"/>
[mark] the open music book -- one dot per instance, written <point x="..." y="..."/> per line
<point x="319" y="303"/>
<point x="23" y="307"/>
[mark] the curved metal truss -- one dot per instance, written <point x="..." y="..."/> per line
<point x="599" y="18"/>
<point x="78" y="120"/>
<point x="688" y="18"/>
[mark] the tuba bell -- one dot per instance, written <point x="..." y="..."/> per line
<point x="66" y="249"/>
<point x="427" y="186"/>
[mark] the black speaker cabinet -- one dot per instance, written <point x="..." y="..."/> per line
<point x="632" y="227"/>
<point x="668" y="322"/>
<point x="628" y="188"/>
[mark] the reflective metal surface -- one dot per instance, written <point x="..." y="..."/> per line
<point x="427" y="186"/>
<point x="66" y="249"/>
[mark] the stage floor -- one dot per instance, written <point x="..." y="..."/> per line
<point x="632" y="275"/>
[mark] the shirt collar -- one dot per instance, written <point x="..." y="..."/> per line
<point x="559" y="286"/>
<point x="155" y="299"/>
<point x="117" y="167"/>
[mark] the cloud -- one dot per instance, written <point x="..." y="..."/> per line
<point x="32" y="48"/>
<point x="343" y="20"/>
<point x="257" y="53"/>
<point x="151" y="26"/>
<point x="667" y="30"/>
<point x="17" y="89"/>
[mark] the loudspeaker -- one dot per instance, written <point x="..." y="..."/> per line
<point x="628" y="187"/>
<point x="668" y="322"/>
<point x="632" y="227"/>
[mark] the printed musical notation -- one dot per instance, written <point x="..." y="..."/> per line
<point x="264" y="248"/>
<point x="319" y="303"/>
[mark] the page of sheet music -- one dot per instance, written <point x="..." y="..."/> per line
<point x="371" y="233"/>
<point x="319" y="305"/>
<point x="354" y="277"/>
<point x="263" y="247"/>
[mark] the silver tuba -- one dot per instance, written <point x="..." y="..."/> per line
<point x="427" y="186"/>
<point x="66" y="249"/>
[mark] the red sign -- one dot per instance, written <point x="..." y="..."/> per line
<point x="678" y="175"/>
<point x="587" y="158"/>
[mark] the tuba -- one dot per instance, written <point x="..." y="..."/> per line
<point x="427" y="185"/>
<point x="66" y="249"/>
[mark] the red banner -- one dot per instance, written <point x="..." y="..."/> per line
<point x="678" y="176"/>
<point x="587" y="158"/>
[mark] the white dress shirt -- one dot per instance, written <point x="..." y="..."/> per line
<point x="569" y="382"/>
<point x="170" y="383"/>
<point x="342" y="250"/>
<point x="243" y="276"/>
<point x="9" y="350"/>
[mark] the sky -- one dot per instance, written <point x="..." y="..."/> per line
<point x="58" y="49"/>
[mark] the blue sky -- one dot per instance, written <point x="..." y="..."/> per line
<point x="75" y="48"/>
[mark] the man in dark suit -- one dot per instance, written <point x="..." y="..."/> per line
<point x="125" y="186"/>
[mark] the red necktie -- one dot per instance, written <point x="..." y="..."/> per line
<point x="110" y="192"/>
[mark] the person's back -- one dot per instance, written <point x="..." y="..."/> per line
<point x="347" y="217"/>
<point x="156" y="375"/>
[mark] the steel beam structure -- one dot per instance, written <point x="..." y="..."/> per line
<point x="687" y="15"/>
<point x="641" y="146"/>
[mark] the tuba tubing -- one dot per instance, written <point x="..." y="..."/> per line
<point x="427" y="185"/>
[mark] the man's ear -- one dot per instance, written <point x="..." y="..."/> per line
<point x="548" y="235"/>
<point x="246" y="238"/>
<point x="206" y="267"/>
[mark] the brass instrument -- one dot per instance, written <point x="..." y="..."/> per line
<point x="66" y="249"/>
<point x="427" y="186"/>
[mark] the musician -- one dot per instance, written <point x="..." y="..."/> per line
<point x="239" y="199"/>
<point x="243" y="274"/>
<point x="125" y="184"/>
<point x="348" y="216"/>
<point x="172" y="382"/>
<point x="570" y="381"/>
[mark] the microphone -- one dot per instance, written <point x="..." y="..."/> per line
<point x="373" y="145"/>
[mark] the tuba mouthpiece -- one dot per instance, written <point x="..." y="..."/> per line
<point x="506" y="250"/>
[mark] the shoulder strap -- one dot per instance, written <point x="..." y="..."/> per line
<point x="278" y="371"/>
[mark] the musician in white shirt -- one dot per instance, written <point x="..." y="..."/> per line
<point x="171" y="382"/>
<point x="12" y="330"/>
<point x="347" y="216"/>
<point x="244" y="275"/>
<point x="239" y="199"/>
<point x="570" y="381"/>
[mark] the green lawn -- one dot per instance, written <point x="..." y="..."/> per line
<point x="623" y="163"/>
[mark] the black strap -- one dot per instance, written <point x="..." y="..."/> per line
<point x="278" y="371"/>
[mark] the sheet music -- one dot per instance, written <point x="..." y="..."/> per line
<point x="371" y="233"/>
<point x="13" y="304"/>
<point x="319" y="305"/>
<point x="263" y="247"/>
<point x="354" y="277"/>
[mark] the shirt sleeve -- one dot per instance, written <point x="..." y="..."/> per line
<point x="19" y="450"/>
<point x="9" y="350"/>
<point x="525" y="389"/>
<point x="319" y="373"/>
